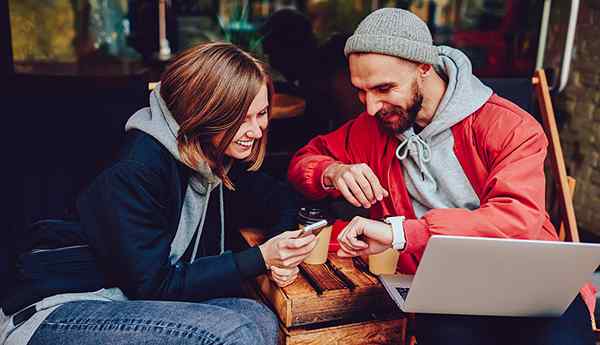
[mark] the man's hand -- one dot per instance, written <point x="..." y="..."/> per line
<point x="286" y="251"/>
<point x="364" y="236"/>
<point x="284" y="276"/>
<point x="357" y="183"/>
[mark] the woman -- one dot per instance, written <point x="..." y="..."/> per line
<point x="156" y="218"/>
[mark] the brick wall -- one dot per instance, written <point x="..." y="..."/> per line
<point x="579" y="106"/>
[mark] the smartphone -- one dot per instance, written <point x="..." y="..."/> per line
<point x="313" y="228"/>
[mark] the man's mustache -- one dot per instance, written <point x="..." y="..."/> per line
<point x="383" y="113"/>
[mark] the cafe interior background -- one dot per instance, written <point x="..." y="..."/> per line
<point x="77" y="69"/>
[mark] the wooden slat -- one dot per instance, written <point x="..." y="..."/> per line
<point x="562" y="234"/>
<point x="339" y="305"/>
<point x="367" y="332"/>
<point x="324" y="277"/>
<point x="359" y="278"/>
<point x="557" y="163"/>
<point x="298" y="304"/>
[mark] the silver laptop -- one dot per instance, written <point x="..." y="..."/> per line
<point x="491" y="276"/>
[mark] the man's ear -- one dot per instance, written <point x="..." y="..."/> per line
<point x="425" y="69"/>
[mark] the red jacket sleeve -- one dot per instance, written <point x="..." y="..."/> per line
<point x="512" y="199"/>
<point x="307" y="166"/>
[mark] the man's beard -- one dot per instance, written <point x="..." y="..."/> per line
<point x="397" y="119"/>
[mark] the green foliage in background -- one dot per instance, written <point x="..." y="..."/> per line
<point x="236" y="28"/>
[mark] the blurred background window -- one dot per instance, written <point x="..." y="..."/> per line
<point x="68" y="36"/>
<point x="500" y="36"/>
<point x="43" y="30"/>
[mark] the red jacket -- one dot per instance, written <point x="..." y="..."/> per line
<point x="501" y="149"/>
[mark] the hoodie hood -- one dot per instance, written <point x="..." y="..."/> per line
<point x="465" y="93"/>
<point x="433" y="175"/>
<point x="158" y="122"/>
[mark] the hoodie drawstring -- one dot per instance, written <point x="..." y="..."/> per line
<point x="423" y="151"/>
<point x="201" y="225"/>
<point x="222" y="219"/>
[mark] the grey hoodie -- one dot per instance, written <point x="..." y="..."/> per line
<point x="433" y="175"/>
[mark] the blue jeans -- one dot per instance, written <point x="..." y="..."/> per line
<point x="223" y="321"/>
<point x="574" y="327"/>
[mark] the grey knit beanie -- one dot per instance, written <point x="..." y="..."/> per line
<point x="396" y="32"/>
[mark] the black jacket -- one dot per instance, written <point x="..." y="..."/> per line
<point x="130" y="215"/>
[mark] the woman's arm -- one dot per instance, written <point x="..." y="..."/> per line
<point x="125" y="215"/>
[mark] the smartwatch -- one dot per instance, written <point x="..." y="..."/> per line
<point x="398" y="239"/>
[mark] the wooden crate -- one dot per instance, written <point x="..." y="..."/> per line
<point x="353" y="308"/>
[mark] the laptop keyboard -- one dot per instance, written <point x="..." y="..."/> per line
<point x="403" y="292"/>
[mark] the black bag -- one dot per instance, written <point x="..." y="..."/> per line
<point x="57" y="259"/>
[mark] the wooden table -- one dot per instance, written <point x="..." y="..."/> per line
<point x="353" y="307"/>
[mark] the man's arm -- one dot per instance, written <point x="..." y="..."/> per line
<point x="337" y="163"/>
<point x="308" y="164"/>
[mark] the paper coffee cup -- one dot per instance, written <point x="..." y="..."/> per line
<point x="318" y="255"/>
<point x="384" y="262"/>
<point x="307" y="216"/>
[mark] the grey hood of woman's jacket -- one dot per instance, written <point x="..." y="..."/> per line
<point x="158" y="122"/>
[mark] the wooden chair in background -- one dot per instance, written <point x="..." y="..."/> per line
<point x="564" y="185"/>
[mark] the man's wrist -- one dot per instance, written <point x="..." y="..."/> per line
<point x="389" y="240"/>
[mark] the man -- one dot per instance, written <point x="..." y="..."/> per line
<point x="441" y="154"/>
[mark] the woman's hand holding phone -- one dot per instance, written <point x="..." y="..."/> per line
<point x="314" y="228"/>
<point x="287" y="250"/>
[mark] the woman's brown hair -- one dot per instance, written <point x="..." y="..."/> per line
<point x="209" y="89"/>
